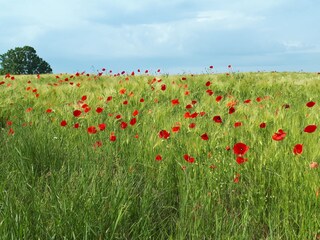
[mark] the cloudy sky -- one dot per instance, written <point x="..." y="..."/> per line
<point x="176" y="36"/>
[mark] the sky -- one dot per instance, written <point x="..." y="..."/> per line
<point x="176" y="36"/>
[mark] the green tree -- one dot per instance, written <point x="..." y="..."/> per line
<point x="23" y="60"/>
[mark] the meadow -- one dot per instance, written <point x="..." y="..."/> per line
<point x="209" y="156"/>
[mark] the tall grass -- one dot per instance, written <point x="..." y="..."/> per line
<point x="58" y="183"/>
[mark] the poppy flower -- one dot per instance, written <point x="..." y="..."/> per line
<point x="123" y="125"/>
<point x="49" y="110"/>
<point x="83" y="98"/>
<point x="208" y="83"/>
<point x="298" y="148"/>
<point x="205" y="137"/>
<point x="97" y="144"/>
<point x="192" y="125"/>
<point x="241" y="160"/>
<point x="122" y="91"/>
<point x="133" y="121"/>
<point x="77" y="113"/>
<point x="135" y="113"/>
<point x="310" y="128"/>
<point x="217" y="119"/>
<point x="76" y="125"/>
<point x="188" y="158"/>
<point x="158" y="157"/>
<point x="240" y="148"/>
<point x="163" y="87"/>
<point x="109" y="98"/>
<point x="99" y="110"/>
<point x="188" y="106"/>
<point x="102" y="126"/>
<point x="183" y="78"/>
<point x="63" y="123"/>
<point x="112" y="137"/>
<point x="175" y="129"/>
<point x="262" y="125"/>
<point x="278" y="136"/>
<point x="310" y="104"/>
<point x="29" y="109"/>
<point x="314" y="165"/>
<point x="92" y="130"/>
<point x="237" y="124"/>
<point x="164" y="134"/>
<point x="141" y="100"/>
<point x="11" y="131"/>
<point x="247" y="101"/>
<point x="118" y="116"/>
<point x="232" y="110"/>
<point x="218" y="98"/>
<point x="125" y="102"/>
<point x="236" y="178"/>
<point x="175" y="101"/>
<point x="209" y="92"/>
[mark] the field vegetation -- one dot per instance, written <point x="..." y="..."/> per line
<point x="210" y="156"/>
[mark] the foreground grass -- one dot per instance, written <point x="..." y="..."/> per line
<point x="60" y="182"/>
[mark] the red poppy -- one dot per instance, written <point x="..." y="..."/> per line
<point x="175" y="129"/>
<point x="164" y="134"/>
<point x="123" y="125"/>
<point x="247" y="101"/>
<point x="29" y="109"/>
<point x="232" y="110"/>
<point x="122" y="91"/>
<point x="205" y="137"/>
<point x="158" y="157"/>
<point x="141" y="100"/>
<point x="125" y="102"/>
<point x="240" y="148"/>
<point x="133" y="121"/>
<point x="262" y="125"/>
<point x="163" y="87"/>
<point x="92" y="130"/>
<point x="109" y="98"/>
<point x="135" y="113"/>
<point x="77" y="113"/>
<point x="188" y="158"/>
<point x="310" y="128"/>
<point x="209" y="92"/>
<point x="278" y="136"/>
<point x="218" y="99"/>
<point x="241" y="160"/>
<point x="310" y="104"/>
<point x="102" y="126"/>
<point x="112" y="137"/>
<point x="97" y="144"/>
<point x="99" y="110"/>
<point x="228" y="148"/>
<point x="49" y="110"/>
<point x="208" y="83"/>
<point x="188" y="106"/>
<point x="237" y="178"/>
<point x="83" y="98"/>
<point x="217" y="119"/>
<point x="76" y="125"/>
<point x="297" y="149"/>
<point x="237" y="124"/>
<point x="175" y="101"/>
<point x="118" y="116"/>
<point x="184" y="78"/>
<point x="258" y="99"/>
<point x="192" y="125"/>
<point x="63" y="123"/>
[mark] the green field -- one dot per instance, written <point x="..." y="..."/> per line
<point x="157" y="157"/>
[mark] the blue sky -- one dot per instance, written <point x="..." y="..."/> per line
<point x="174" y="35"/>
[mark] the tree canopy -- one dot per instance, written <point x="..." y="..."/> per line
<point x="23" y="60"/>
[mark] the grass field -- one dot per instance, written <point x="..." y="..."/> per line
<point x="211" y="156"/>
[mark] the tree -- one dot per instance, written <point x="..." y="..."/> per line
<point x="23" y="60"/>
